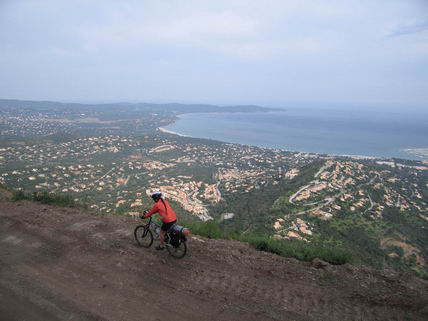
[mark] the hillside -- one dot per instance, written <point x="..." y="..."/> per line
<point x="67" y="264"/>
<point x="376" y="208"/>
<point x="111" y="157"/>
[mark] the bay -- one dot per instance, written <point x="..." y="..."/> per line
<point x="338" y="132"/>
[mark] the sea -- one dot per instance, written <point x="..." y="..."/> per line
<point x="382" y="133"/>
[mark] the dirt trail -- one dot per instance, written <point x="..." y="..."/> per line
<point x="66" y="264"/>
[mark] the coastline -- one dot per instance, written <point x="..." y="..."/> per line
<point x="167" y="131"/>
<point x="413" y="154"/>
<point x="356" y="157"/>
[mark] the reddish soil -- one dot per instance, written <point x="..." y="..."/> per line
<point x="67" y="264"/>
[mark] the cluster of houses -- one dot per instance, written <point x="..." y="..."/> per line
<point x="346" y="186"/>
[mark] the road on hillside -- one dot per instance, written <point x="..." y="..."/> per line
<point x="66" y="264"/>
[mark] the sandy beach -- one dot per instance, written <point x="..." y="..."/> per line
<point x="163" y="130"/>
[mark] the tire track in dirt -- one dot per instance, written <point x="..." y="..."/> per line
<point x="90" y="268"/>
<point x="312" y="302"/>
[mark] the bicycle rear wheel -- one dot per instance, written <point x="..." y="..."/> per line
<point x="143" y="236"/>
<point x="179" y="251"/>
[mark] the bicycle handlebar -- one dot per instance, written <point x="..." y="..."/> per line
<point x="144" y="218"/>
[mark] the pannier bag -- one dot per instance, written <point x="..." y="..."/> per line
<point x="180" y="231"/>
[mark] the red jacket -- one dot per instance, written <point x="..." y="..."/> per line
<point x="165" y="211"/>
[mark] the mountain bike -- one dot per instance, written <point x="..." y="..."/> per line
<point x="175" y="237"/>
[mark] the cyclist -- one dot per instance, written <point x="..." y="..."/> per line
<point x="168" y="216"/>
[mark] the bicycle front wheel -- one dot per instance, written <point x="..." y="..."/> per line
<point x="143" y="236"/>
<point x="179" y="251"/>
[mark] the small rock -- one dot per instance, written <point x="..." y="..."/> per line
<point x="319" y="264"/>
<point x="349" y="267"/>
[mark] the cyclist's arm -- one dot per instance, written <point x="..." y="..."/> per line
<point x="152" y="211"/>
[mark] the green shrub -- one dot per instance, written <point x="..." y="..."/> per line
<point x="210" y="229"/>
<point x="20" y="195"/>
<point x="305" y="251"/>
<point x="63" y="200"/>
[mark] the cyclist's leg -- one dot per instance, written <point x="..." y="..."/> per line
<point x="162" y="237"/>
<point x="164" y="229"/>
<point x="161" y="246"/>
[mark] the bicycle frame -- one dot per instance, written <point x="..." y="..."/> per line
<point x="144" y="236"/>
<point x="156" y="228"/>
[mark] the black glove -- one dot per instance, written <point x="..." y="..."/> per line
<point x="144" y="215"/>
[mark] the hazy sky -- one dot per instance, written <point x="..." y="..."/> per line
<point x="224" y="51"/>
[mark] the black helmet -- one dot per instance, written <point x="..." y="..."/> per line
<point x="156" y="196"/>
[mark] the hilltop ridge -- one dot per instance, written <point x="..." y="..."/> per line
<point x="64" y="263"/>
<point x="114" y="107"/>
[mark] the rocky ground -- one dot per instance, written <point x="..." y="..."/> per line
<point x="67" y="264"/>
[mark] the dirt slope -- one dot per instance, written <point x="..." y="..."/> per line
<point x="65" y="264"/>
